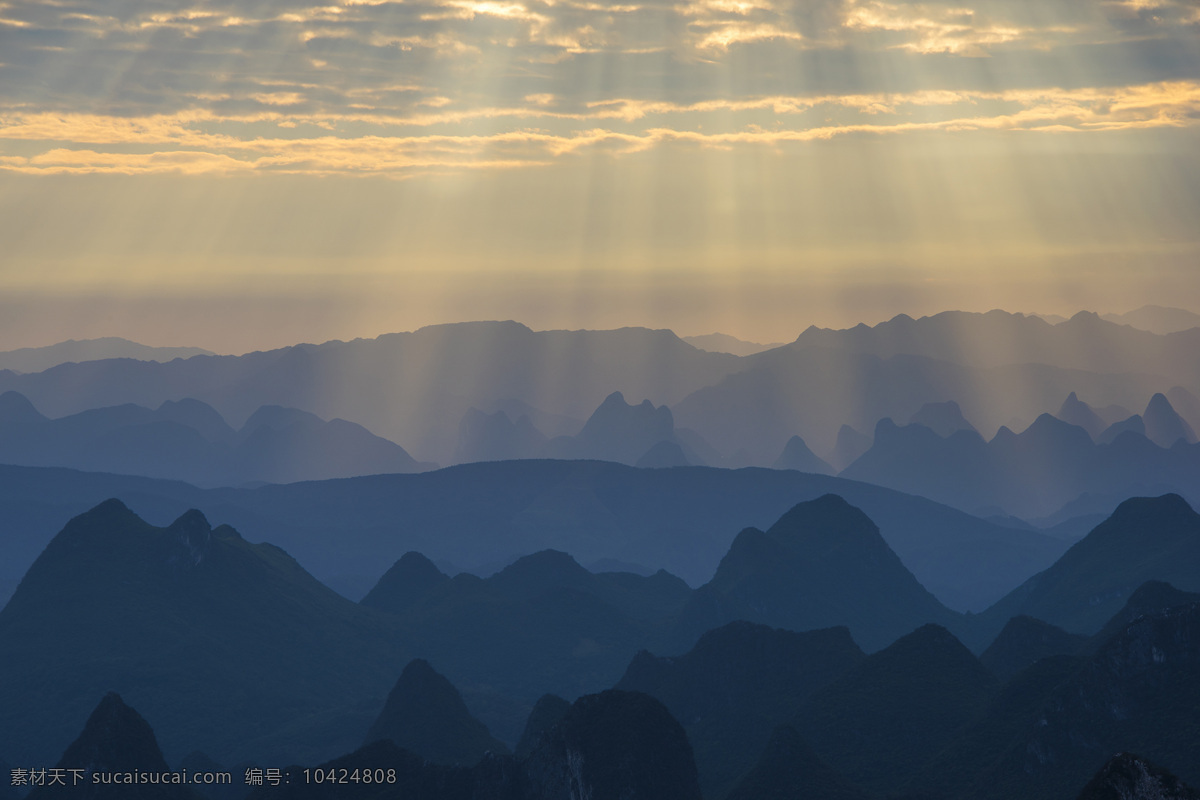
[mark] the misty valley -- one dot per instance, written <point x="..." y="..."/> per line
<point x="954" y="557"/>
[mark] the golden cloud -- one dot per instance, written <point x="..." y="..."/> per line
<point x="190" y="143"/>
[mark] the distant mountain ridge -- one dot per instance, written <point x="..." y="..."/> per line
<point x="724" y="343"/>
<point x="416" y="388"/>
<point x="1036" y="472"/>
<point x="188" y="440"/>
<point x="37" y="359"/>
<point x="1157" y="319"/>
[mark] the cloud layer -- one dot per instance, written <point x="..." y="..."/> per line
<point x="369" y="87"/>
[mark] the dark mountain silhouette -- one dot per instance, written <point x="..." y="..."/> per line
<point x="1011" y="712"/>
<point x="229" y="646"/>
<point x="789" y="769"/>
<point x="797" y="456"/>
<point x="1024" y="641"/>
<point x="1076" y="412"/>
<point x="1137" y="693"/>
<point x="1150" y="599"/>
<point x="1156" y="319"/>
<point x="1134" y="424"/>
<point x="115" y="743"/>
<point x="188" y="440"/>
<point x="547" y="712"/>
<point x="743" y="668"/>
<point x="822" y="564"/>
<point x="610" y="745"/>
<point x="682" y="520"/>
<point x="1164" y="426"/>
<point x="546" y="623"/>
<point x="405" y="584"/>
<point x="736" y="685"/>
<point x="1128" y="777"/>
<point x="36" y="359"/>
<point x="495" y="437"/>
<point x="1145" y="539"/>
<point x="944" y="419"/>
<point x="878" y="723"/>
<point x="426" y="715"/>
<point x="615" y="745"/>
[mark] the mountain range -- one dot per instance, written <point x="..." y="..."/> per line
<point x="232" y="648"/>
<point x="416" y="388"/>
<point x="188" y="440"/>
<point x="682" y="520"/>
<point x="37" y="359"/>
<point x="1034" y="473"/>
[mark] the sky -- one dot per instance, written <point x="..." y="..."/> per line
<point x="238" y="175"/>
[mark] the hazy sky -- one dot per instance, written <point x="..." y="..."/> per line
<point x="239" y="175"/>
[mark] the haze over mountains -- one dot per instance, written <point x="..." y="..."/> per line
<point x="953" y="557"/>
<point x="415" y="388"/>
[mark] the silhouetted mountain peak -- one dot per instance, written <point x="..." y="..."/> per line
<point x="933" y="643"/>
<point x="1049" y="430"/>
<point x="15" y="409"/>
<point x="115" y="736"/>
<point x="540" y="571"/>
<point x="412" y="577"/>
<point x="1145" y="538"/>
<point x="1163" y="424"/>
<point x="615" y="428"/>
<point x="850" y="444"/>
<point x="828" y="521"/>
<point x="106" y="525"/>
<point x="797" y="455"/>
<point x="115" y="739"/>
<point x="1167" y="508"/>
<point x="615" y="745"/>
<point x="194" y="535"/>
<point x="1129" y="777"/>
<point x="943" y="419"/>
<point x="1076" y="412"/>
<point x="424" y="713"/>
<point x="547" y="712"/>
<point x="663" y="454"/>
<point x="278" y="417"/>
<point x="1026" y="640"/>
<point x="1152" y="597"/>
<point x="1134" y="424"/>
<point x="1085" y="318"/>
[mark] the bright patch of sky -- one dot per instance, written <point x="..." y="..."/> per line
<point x="664" y="134"/>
